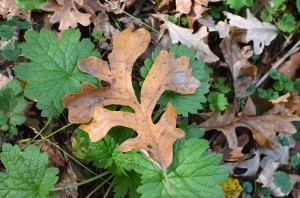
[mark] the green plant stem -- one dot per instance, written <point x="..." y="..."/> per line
<point x="145" y="24"/>
<point x="293" y="50"/>
<point x="108" y="190"/>
<point x="38" y="134"/>
<point x="99" y="186"/>
<point x="34" y="130"/>
<point x="53" y="133"/>
<point x="159" y="112"/>
<point x="81" y="183"/>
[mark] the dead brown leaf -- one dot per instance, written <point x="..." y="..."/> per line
<point x="183" y="6"/>
<point x="290" y="67"/>
<point x="195" y="41"/>
<point x="66" y="13"/>
<point x="195" y="13"/>
<point x="167" y="73"/>
<point x="243" y="73"/>
<point x="263" y="128"/>
<point x="8" y="8"/>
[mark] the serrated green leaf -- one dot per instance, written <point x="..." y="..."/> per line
<point x="282" y="180"/>
<point x="104" y="153"/>
<point x="30" y="4"/>
<point x="12" y="103"/>
<point x="127" y="185"/>
<point x="193" y="173"/>
<point x="287" y="23"/>
<point x="10" y="52"/>
<point x="26" y="174"/>
<point x="53" y="72"/>
<point x="295" y="161"/>
<point x="217" y="101"/>
<point x="237" y="5"/>
<point x="6" y="32"/>
<point x="267" y="14"/>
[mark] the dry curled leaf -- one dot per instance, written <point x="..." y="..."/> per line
<point x="194" y="41"/>
<point x="221" y="27"/>
<point x="290" y="67"/>
<point x="243" y="73"/>
<point x="183" y="6"/>
<point x="8" y="8"/>
<point x="263" y="128"/>
<point x="66" y="13"/>
<point x="167" y="73"/>
<point x="261" y="33"/>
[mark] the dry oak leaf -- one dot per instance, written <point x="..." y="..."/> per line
<point x="195" y="13"/>
<point x="194" y="41"/>
<point x="183" y="6"/>
<point x="8" y="8"/>
<point x="261" y="33"/>
<point x="167" y="73"/>
<point x="290" y="67"/>
<point x="66" y="13"/>
<point x="243" y="73"/>
<point x="263" y="128"/>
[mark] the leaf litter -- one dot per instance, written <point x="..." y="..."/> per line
<point x="239" y="39"/>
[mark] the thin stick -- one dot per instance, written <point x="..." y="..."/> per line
<point x="81" y="183"/>
<point x="145" y="24"/>
<point x="278" y="63"/>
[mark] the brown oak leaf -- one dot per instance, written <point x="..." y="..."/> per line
<point x="8" y="8"/>
<point x="290" y="67"/>
<point x="167" y="73"/>
<point x="66" y="13"/>
<point x="263" y="128"/>
<point x="243" y="73"/>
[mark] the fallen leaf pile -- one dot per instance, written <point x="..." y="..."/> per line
<point x="167" y="73"/>
<point x="263" y="128"/>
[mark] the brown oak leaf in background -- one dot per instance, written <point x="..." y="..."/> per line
<point x="243" y="73"/>
<point x="263" y="128"/>
<point x="66" y="13"/>
<point x="290" y="67"/>
<point x="8" y="8"/>
<point x="195" y="41"/>
<point x="167" y="73"/>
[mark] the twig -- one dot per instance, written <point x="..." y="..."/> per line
<point x="278" y="63"/>
<point x="145" y="24"/>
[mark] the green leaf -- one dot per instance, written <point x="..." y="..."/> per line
<point x="12" y="103"/>
<point x="127" y="185"/>
<point x="287" y="23"/>
<point x="53" y="72"/>
<point x="172" y="19"/>
<point x="217" y="101"/>
<point x="10" y="52"/>
<point x="23" y="25"/>
<point x="278" y="3"/>
<point x="237" y="5"/>
<point x="295" y="161"/>
<point x="267" y="14"/>
<point x="26" y="174"/>
<point x="30" y="4"/>
<point x="104" y="153"/>
<point x="6" y="32"/>
<point x="298" y="5"/>
<point x="247" y="186"/>
<point x="193" y="173"/>
<point x="282" y="180"/>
